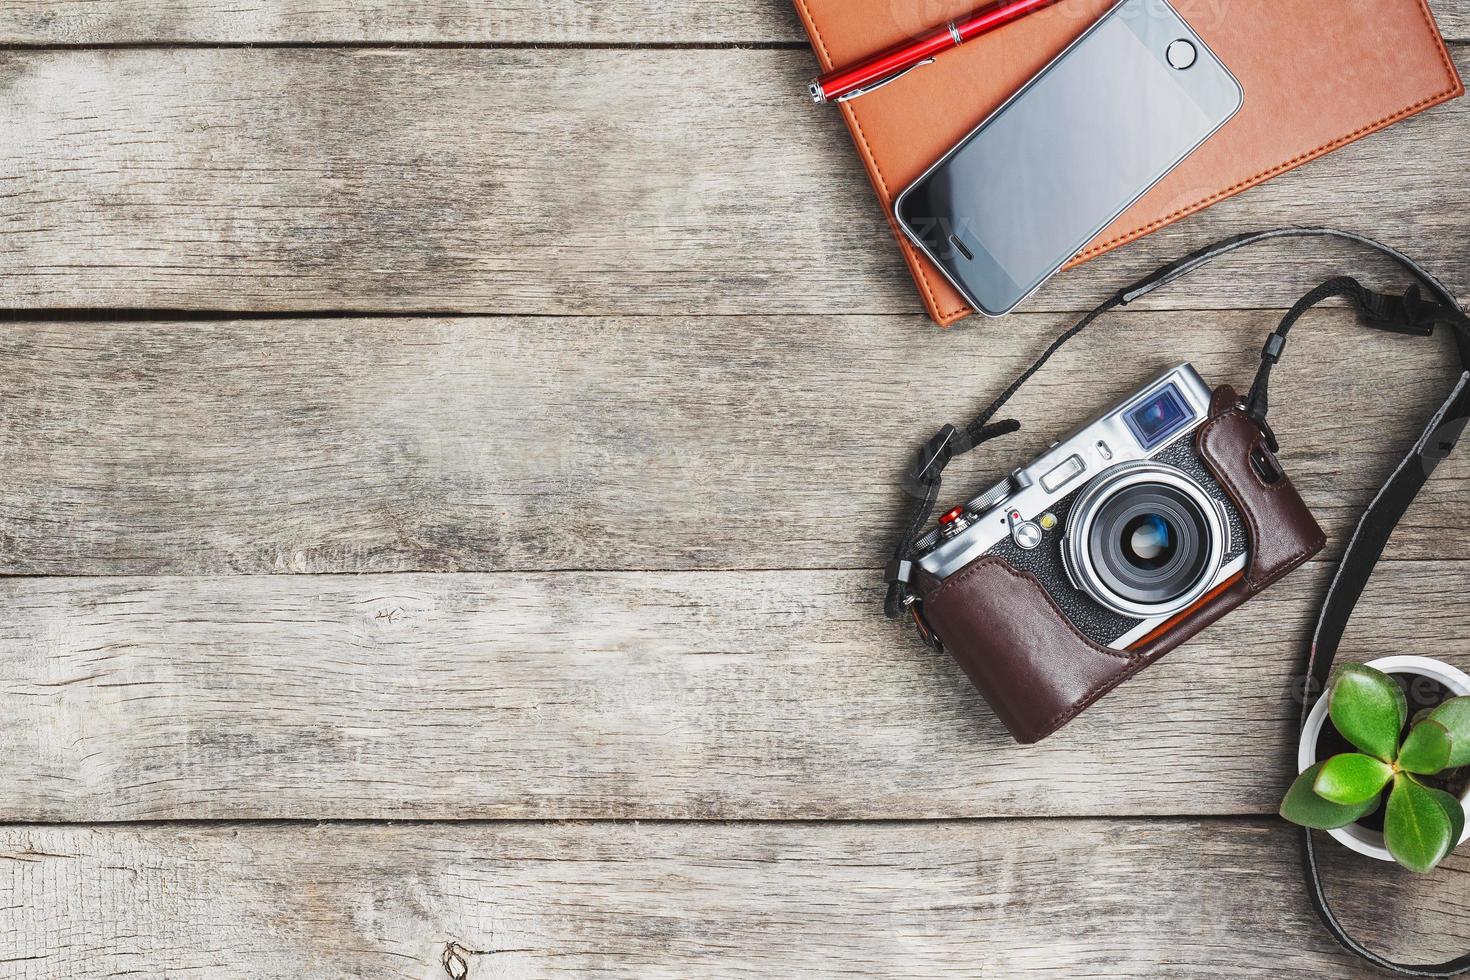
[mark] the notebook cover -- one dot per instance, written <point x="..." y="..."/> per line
<point x="1317" y="75"/>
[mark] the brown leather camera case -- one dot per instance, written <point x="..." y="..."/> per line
<point x="1035" y="668"/>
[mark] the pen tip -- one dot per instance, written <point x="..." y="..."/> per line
<point x="816" y="90"/>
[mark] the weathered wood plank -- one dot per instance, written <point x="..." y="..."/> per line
<point x="619" y="695"/>
<point x="612" y="443"/>
<point x="416" y="21"/>
<point x="1180" y="899"/>
<point x="565" y="181"/>
<point x="439" y="21"/>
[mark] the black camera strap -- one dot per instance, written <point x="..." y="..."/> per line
<point x="1411" y="313"/>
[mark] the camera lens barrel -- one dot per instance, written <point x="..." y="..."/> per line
<point x="1145" y="540"/>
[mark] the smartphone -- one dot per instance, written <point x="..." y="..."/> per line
<point x="1111" y="115"/>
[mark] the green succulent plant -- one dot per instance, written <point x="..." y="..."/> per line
<point x="1421" y="823"/>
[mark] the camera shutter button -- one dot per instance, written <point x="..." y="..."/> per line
<point x="952" y="522"/>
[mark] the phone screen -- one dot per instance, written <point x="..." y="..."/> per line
<point x="1054" y="166"/>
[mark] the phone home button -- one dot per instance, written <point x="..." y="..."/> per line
<point x="1181" y="54"/>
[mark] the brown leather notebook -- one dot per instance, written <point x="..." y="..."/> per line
<point x="1317" y="74"/>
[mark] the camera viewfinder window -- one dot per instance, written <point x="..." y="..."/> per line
<point x="1158" y="418"/>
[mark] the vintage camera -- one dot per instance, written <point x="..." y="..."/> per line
<point x="1120" y="522"/>
<point x="1109" y="549"/>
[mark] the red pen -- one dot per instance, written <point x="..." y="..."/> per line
<point x="886" y="66"/>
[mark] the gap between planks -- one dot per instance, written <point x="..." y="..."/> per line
<point x="417" y="46"/>
<point x="1253" y="817"/>
<point x="142" y="314"/>
<point x="570" y="570"/>
<point x="1452" y="42"/>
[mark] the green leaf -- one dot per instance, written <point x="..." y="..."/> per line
<point x="1454" y="714"/>
<point x="1416" y="827"/>
<point x="1305" y="808"/>
<point x="1427" y="748"/>
<point x="1368" y="709"/>
<point x="1351" y="779"/>
<point x="1455" y="811"/>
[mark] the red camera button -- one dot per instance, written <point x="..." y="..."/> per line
<point x="949" y="517"/>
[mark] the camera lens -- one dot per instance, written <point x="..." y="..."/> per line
<point x="1145" y="540"/>
<point x="1149" y="542"/>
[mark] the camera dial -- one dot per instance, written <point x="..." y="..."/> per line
<point x="1014" y="483"/>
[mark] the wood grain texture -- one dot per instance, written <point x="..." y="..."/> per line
<point x="622" y="695"/>
<point x="614" y="443"/>
<point x="81" y="22"/>
<point x="441" y="21"/>
<point x="1183" y="899"/>
<point x="602" y="465"/>
<point x="551" y="182"/>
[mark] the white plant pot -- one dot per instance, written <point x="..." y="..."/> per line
<point x="1354" y="836"/>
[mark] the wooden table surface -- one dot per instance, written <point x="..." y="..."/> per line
<point x="441" y="505"/>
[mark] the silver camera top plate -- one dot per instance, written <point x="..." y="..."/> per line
<point x="1030" y="491"/>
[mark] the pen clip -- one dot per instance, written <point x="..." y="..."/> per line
<point x="884" y="81"/>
